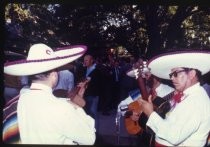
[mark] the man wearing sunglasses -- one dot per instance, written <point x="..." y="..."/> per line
<point x="188" y="121"/>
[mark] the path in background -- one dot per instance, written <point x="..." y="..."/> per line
<point x="108" y="131"/>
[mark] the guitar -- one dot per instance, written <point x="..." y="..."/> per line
<point x="73" y="94"/>
<point x="161" y="105"/>
<point x="133" y="127"/>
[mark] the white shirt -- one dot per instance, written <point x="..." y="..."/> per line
<point x="188" y="124"/>
<point x="66" y="80"/>
<point x="90" y="69"/>
<point x="45" y="119"/>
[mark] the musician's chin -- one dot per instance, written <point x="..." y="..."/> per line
<point x="176" y="85"/>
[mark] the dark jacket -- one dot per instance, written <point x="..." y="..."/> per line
<point x="94" y="84"/>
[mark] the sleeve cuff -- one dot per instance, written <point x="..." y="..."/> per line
<point x="153" y="121"/>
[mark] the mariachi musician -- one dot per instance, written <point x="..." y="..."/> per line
<point x="188" y="121"/>
<point x="42" y="117"/>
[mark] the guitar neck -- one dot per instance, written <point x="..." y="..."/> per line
<point x="76" y="89"/>
<point x="142" y="87"/>
<point x="73" y="93"/>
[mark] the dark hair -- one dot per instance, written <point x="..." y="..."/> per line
<point x="198" y="72"/>
<point x="40" y="76"/>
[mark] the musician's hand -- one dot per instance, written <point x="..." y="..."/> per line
<point x="83" y="86"/>
<point x="147" y="106"/>
<point x="135" y="116"/>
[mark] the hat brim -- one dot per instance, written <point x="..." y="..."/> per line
<point x="161" y="65"/>
<point x="30" y="67"/>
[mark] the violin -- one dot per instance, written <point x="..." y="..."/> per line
<point x="73" y="95"/>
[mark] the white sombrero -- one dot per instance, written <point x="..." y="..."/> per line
<point x="42" y="58"/>
<point x="161" y="65"/>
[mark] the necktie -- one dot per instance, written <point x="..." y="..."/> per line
<point x="177" y="97"/>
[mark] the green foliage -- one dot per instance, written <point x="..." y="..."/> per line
<point x="141" y="29"/>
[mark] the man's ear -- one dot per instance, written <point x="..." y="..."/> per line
<point x="55" y="73"/>
<point x="52" y="73"/>
<point x="192" y="74"/>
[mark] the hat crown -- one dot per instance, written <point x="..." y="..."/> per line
<point x="162" y="65"/>
<point x="42" y="58"/>
<point x="40" y="51"/>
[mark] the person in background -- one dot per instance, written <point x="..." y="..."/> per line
<point x="105" y="89"/>
<point x="65" y="82"/>
<point x="127" y="83"/>
<point x="206" y="83"/>
<point x="91" y="94"/>
<point x="188" y="121"/>
<point x="116" y="75"/>
<point x="24" y="81"/>
<point x="12" y="86"/>
<point x="206" y="86"/>
<point x="42" y="117"/>
<point x="156" y="87"/>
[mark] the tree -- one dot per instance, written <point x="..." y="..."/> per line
<point x="141" y="29"/>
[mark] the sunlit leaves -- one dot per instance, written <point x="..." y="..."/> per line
<point x="138" y="28"/>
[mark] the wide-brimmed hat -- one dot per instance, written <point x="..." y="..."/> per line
<point x="161" y="65"/>
<point x="42" y="58"/>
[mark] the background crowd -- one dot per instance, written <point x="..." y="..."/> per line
<point x="113" y="86"/>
